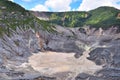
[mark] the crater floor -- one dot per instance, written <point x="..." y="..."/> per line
<point x="50" y="63"/>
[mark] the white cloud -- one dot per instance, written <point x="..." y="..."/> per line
<point x="92" y="4"/>
<point x="54" y="5"/>
<point x="10" y="0"/>
<point x="59" y="5"/>
<point x="26" y="0"/>
<point x="75" y="0"/>
<point x="40" y="8"/>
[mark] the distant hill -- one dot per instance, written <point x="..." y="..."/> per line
<point x="100" y="17"/>
<point x="67" y="19"/>
<point x="104" y="17"/>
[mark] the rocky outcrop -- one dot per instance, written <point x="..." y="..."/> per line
<point x="106" y="53"/>
<point x="82" y="76"/>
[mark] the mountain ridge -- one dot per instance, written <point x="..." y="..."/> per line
<point x="100" y="17"/>
<point x="12" y="15"/>
<point x="29" y="50"/>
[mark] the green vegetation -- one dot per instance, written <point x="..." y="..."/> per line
<point x="69" y="19"/>
<point x="101" y="17"/>
<point x="12" y="15"/>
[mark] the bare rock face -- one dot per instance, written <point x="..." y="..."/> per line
<point x="65" y="46"/>
<point x="100" y="56"/>
<point x="109" y="55"/>
<point x="103" y="47"/>
<point x="82" y="76"/>
<point x="45" y="78"/>
<point x="106" y="53"/>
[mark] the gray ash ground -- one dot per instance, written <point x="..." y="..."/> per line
<point x="69" y="54"/>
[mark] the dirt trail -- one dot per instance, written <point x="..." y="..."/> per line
<point x="49" y="63"/>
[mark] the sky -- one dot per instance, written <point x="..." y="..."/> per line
<point x="65" y="5"/>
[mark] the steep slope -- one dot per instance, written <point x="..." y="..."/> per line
<point x="13" y="15"/>
<point x="100" y="17"/>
